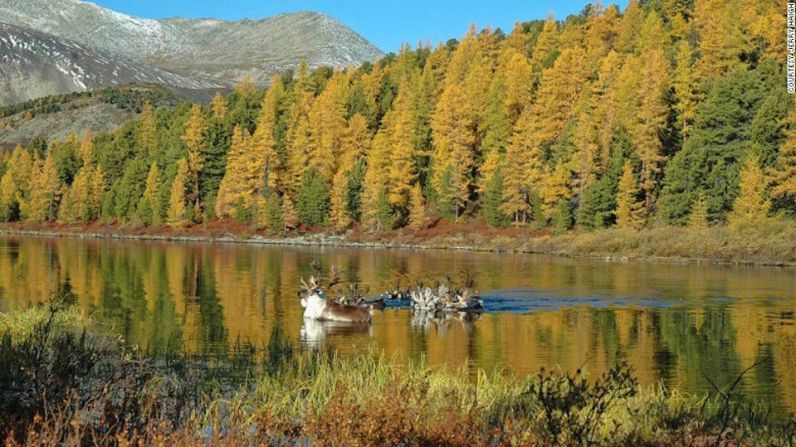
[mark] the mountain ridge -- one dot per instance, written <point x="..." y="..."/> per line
<point x="208" y="51"/>
<point x="36" y="64"/>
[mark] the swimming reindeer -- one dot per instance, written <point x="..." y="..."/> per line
<point x="444" y="298"/>
<point x="317" y="307"/>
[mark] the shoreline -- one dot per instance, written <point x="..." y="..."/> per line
<point x="343" y="241"/>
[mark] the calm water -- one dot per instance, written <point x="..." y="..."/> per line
<point x="675" y="323"/>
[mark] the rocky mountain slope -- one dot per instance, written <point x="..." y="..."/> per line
<point x="185" y="53"/>
<point x="34" y="64"/>
<point x="53" y="118"/>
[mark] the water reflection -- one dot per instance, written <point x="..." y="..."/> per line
<point x="679" y="323"/>
<point x="314" y="332"/>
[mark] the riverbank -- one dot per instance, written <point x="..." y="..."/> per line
<point x="771" y="244"/>
<point x="65" y="382"/>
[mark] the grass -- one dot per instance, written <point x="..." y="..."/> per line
<point x="66" y="384"/>
<point x="771" y="243"/>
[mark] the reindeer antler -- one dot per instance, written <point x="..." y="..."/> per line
<point x="313" y="284"/>
<point x="469" y="281"/>
<point x="316" y="269"/>
<point x="334" y="277"/>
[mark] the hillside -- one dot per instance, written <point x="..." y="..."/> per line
<point x="36" y="64"/>
<point x="53" y="118"/>
<point x="96" y="46"/>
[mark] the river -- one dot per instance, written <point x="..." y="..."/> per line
<point x="683" y="325"/>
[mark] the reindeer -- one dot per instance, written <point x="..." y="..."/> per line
<point x="397" y="293"/>
<point x="356" y="297"/>
<point x="317" y="307"/>
<point x="446" y="298"/>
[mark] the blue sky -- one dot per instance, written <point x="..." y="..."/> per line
<point x="386" y="23"/>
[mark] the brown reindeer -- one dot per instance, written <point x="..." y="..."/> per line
<point x="317" y="307"/>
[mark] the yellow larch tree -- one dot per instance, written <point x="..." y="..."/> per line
<point x="75" y="203"/>
<point x="327" y="126"/>
<point x="602" y="25"/>
<point x="235" y="187"/>
<point x="289" y="214"/>
<point x="437" y="67"/>
<point x="147" y="131"/>
<point x="86" y="148"/>
<point x="371" y="87"/>
<point x="559" y="94"/>
<point x="476" y="88"/>
<point x="402" y="172"/>
<point x="178" y="209"/>
<point x="676" y="13"/>
<point x="685" y="87"/>
<point x="374" y="188"/>
<point x="587" y="148"/>
<point x="8" y="197"/>
<point x="524" y="168"/>
<point x="604" y="98"/>
<point x="403" y="66"/>
<point x="488" y="169"/>
<point x="653" y="111"/>
<point x="489" y="45"/>
<point x="219" y="106"/>
<point x="245" y="86"/>
<point x="453" y="156"/>
<point x="298" y="142"/>
<point x="463" y="57"/>
<point x="625" y="94"/>
<point x="720" y="38"/>
<point x="340" y="216"/>
<point x="762" y="21"/>
<point x="629" y="209"/>
<point x="262" y="163"/>
<point x="629" y="27"/>
<point x="45" y="190"/>
<point x="554" y="188"/>
<point x="517" y="40"/>
<point x="519" y="80"/>
<point x="194" y="139"/>
<point x="546" y="43"/>
<point x="149" y="208"/>
<point x="355" y="147"/>
<point x="753" y="203"/>
<point x="417" y="208"/>
<point x="96" y="190"/>
<point x="356" y="141"/>
<point x="16" y="189"/>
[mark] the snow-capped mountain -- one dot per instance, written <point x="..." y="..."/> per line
<point x="80" y="37"/>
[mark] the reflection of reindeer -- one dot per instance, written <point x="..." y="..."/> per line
<point x="317" y="307"/>
<point x="425" y="320"/>
<point x="314" y="332"/>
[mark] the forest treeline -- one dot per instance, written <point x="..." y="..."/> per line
<point x="669" y="112"/>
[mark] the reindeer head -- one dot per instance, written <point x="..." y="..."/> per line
<point x="313" y="288"/>
<point x="308" y="289"/>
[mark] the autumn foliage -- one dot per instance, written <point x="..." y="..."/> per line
<point x="536" y="128"/>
